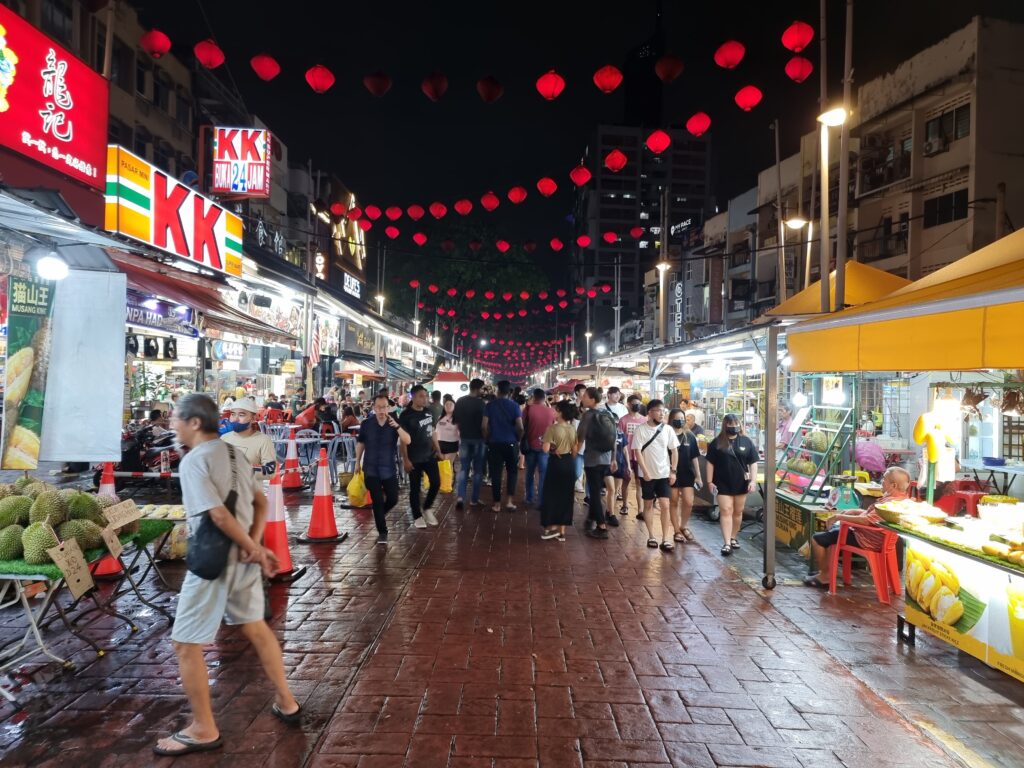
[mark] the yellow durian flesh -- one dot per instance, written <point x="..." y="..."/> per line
<point x="19" y="373"/>
<point x="946" y="607"/>
<point x="930" y="584"/>
<point x="946" y="576"/>
<point x="915" y="575"/>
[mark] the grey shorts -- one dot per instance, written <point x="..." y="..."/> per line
<point x="236" y="597"/>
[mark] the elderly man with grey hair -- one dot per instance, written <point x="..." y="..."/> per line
<point x="895" y="485"/>
<point x="218" y="487"/>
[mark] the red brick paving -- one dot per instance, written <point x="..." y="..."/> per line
<point x="477" y="644"/>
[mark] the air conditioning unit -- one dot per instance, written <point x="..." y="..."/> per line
<point x="934" y="146"/>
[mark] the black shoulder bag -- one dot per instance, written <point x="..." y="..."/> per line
<point x="209" y="547"/>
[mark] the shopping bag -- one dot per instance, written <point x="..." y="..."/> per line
<point x="357" y="493"/>
<point x="447" y="475"/>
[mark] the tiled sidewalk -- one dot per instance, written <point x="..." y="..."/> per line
<point x="477" y="644"/>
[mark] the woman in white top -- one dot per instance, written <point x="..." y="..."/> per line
<point x="448" y="433"/>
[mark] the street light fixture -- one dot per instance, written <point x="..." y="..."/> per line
<point x="796" y="223"/>
<point x="380" y="303"/>
<point x="830" y="119"/>
<point x="833" y="117"/>
<point x="600" y="349"/>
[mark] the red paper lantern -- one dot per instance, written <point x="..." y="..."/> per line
<point x="591" y="294"/>
<point x="320" y="78"/>
<point x="475" y="245"/>
<point x="208" y="53"/>
<point x="609" y="237"/>
<point x="502" y="246"/>
<point x="372" y="212"/>
<point x="438" y="210"/>
<point x="337" y="209"/>
<point x="377" y="83"/>
<point x="490" y="90"/>
<point x="799" y="69"/>
<point x="485" y="315"/>
<point x="265" y="67"/>
<point x="498" y="315"/>
<point x="463" y="207"/>
<point x="421" y="304"/>
<point x="440" y="310"/>
<point x="419" y="238"/>
<point x="606" y="288"/>
<point x="516" y="195"/>
<point x="658" y="141"/>
<point x="393" y="212"/>
<point x="453" y="292"/>
<point x="563" y="304"/>
<point x="447" y="245"/>
<point x="698" y="124"/>
<point x="547" y="186"/>
<point x="798" y="36"/>
<point x="636" y="232"/>
<point x="668" y="68"/>
<point x="556" y="244"/>
<point x="470" y="293"/>
<point x="583" y="241"/>
<point x="524" y="295"/>
<point x="748" y="97"/>
<point x="365" y="225"/>
<point x="433" y="288"/>
<point x="507" y="296"/>
<point x="415" y="212"/>
<point x="490" y="201"/>
<point x="392" y="232"/>
<point x="580" y="290"/>
<point x="542" y="295"/>
<point x="522" y="313"/>
<point x="549" y="307"/>
<point x="550" y="85"/>
<point x="730" y="54"/>
<point x="473" y="336"/>
<point x="560" y="293"/>
<point x="155" y="43"/>
<point x="580" y="175"/>
<point x="434" y="86"/>
<point x="615" y="160"/>
<point x="607" y="78"/>
<point x="451" y="313"/>
<point x="414" y="283"/>
<point x="530" y="246"/>
<point x="489" y="295"/>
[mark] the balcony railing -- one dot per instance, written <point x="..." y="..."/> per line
<point x="882" y="248"/>
<point x="875" y="174"/>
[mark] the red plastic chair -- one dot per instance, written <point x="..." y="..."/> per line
<point x="885" y="570"/>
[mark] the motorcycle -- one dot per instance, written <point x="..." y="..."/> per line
<point x="142" y="451"/>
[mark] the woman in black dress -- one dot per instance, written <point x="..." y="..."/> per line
<point x="559" y="441"/>
<point x="687" y="476"/>
<point x="732" y="474"/>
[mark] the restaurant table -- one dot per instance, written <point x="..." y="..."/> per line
<point x="1009" y="473"/>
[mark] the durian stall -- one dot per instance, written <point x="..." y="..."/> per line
<point x="964" y="574"/>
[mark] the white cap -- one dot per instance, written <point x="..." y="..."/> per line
<point x="245" y="404"/>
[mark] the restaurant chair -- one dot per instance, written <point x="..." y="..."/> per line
<point x="885" y="569"/>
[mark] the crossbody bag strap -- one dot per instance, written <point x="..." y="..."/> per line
<point x="655" y="437"/>
<point x="234" y="467"/>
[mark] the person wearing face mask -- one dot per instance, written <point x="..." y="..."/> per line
<point x="732" y="474"/>
<point x="627" y="426"/>
<point x="687" y="476"/>
<point x="245" y="435"/>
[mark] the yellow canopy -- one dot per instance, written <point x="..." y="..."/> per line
<point x="966" y="316"/>
<point x="863" y="284"/>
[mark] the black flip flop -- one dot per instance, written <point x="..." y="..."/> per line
<point x="293" y="719"/>
<point x="814" y="581"/>
<point x="190" y="744"/>
<point x="652" y="543"/>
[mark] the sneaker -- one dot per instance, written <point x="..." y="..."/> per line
<point x="459" y="505"/>
<point x="382" y="540"/>
<point x="561" y="537"/>
<point x="419" y="522"/>
<point x="597" y="533"/>
<point x="612" y="521"/>
<point x="430" y="517"/>
<point x="549" y="535"/>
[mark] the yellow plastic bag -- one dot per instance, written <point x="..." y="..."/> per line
<point x="358" y="496"/>
<point x="447" y="475"/>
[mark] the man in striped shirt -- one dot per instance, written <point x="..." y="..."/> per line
<point x="895" y="483"/>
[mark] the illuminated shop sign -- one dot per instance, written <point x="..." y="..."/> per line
<point x="241" y="162"/>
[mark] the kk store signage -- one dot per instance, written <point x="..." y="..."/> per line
<point x="53" y="107"/>
<point x="241" y="162"/>
<point x="145" y="204"/>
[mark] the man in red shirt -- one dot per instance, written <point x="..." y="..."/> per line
<point x="895" y="483"/>
<point x="537" y="417"/>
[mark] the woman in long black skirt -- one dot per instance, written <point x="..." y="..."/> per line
<point x="559" y="442"/>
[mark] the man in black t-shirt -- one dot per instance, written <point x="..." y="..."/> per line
<point x="468" y="417"/>
<point x="421" y="455"/>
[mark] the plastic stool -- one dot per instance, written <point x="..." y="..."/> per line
<point x="885" y="570"/>
<point x="863" y="476"/>
<point x="969" y="501"/>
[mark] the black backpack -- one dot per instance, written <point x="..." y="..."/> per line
<point x="603" y="431"/>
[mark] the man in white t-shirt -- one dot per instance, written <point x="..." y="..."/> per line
<point x="208" y="475"/>
<point x="245" y="435"/>
<point x="655" y="447"/>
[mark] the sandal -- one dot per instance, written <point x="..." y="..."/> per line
<point x="688" y="535"/>
<point x="652" y="543"/>
<point x="667" y="546"/>
<point x="734" y="544"/>
<point x="290" y="719"/>
<point x="190" y="745"/>
<point x="678" y="537"/>
<point x="814" y="581"/>
<point x="726" y="550"/>
<point x="510" y="508"/>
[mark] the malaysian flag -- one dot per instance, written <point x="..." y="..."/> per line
<point x="314" y="348"/>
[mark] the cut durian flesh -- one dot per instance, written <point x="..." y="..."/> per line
<point x="916" y="572"/>
<point x="930" y="584"/>
<point x="946" y="607"/>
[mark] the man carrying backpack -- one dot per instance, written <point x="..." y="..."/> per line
<point x="599" y="431"/>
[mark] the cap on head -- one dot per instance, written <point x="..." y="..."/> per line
<point x="245" y="404"/>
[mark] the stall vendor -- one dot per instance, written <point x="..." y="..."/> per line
<point x="245" y="435"/>
<point x="786" y="428"/>
<point x="895" y="483"/>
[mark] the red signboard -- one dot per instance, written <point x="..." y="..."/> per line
<point x="53" y="107"/>
<point x="241" y="161"/>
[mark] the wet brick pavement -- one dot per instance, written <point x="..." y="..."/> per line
<point x="477" y="644"/>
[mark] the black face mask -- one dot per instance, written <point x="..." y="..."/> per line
<point x="635" y="407"/>
<point x="732" y="430"/>
<point x="677" y="423"/>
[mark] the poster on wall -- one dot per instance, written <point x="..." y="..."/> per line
<point x="29" y="332"/>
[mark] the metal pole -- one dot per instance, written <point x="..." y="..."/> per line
<point x="780" y="247"/>
<point x="771" y="396"/>
<point x="618" y="300"/>
<point x="824" y="255"/>
<point x="810" y="217"/>
<point x="1000" y="209"/>
<point x="662" y="313"/>
<point x="108" y="45"/>
<point x="844" y="164"/>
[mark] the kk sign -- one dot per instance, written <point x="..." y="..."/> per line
<point x="53" y="107"/>
<point x="241" y="162"/>
<point x="146" y="204"/>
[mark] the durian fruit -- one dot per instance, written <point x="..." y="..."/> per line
<point x="106" y="500"/>
<point x="19" y="374"/>
<point x="14" y="509"/>
<point x="946" y="576"/>
<point x="41" y="348"/>
<point x="85" y="532"/>
<point x="34" y="489"/>
<point x="23" y="482"/>
<point x="36" y="539"/>
<point x="22" y="450"/>
<point x="10" y="543"/>
<point x="49" y="506"/>
<point x="6" y="490"/>
<point x="67" y="493"/>
<point x="83" y="506"/>
<point x="945" y="606"/>
<point x="915" y="575"/>
<point x="930" y="586"/>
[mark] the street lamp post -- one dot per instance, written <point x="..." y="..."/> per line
<point x="662" y="268"/>
<point x="828" y="120"/>
<point x="588" y="335"/>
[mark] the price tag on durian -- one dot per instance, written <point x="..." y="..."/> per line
<point x="68" y="557"/>
<point x="112" y="541"/>
<point x="122" y="514"/>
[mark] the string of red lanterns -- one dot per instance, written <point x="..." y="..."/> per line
<point x="508" y="296"/>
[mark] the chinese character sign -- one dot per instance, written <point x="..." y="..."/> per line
<point x="241" y="162"/>
<point x="29" y="316"/>
<point x="53" y="107"/>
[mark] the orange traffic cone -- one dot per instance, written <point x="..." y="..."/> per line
<point x="275" y="536"/>
<point x="107" y="485"/>
<point x="292" y="475"/>
<point x="107" y="567"/>
<point x="322" y="527"/>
